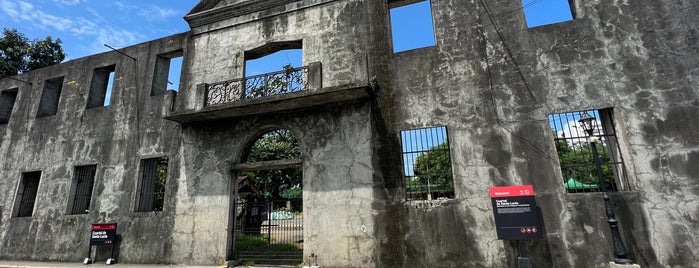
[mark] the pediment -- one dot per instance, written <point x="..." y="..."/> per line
<point x="211" y="11"/>
<point x="206" y="5"/>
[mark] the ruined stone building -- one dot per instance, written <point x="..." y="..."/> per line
<point x="494" y="96"/>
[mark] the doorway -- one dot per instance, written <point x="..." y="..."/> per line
<point x="268" y="202"/>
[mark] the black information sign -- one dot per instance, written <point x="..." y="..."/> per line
<point x="103" y="234"/>
<point x="516" y="213"/>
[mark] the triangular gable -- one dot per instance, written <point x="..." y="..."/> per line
<point x="210" y="11"/>
<point x="205" y="5"/>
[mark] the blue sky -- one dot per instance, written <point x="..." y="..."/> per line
<point x="85" y="26"/>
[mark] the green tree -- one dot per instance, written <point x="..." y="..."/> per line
<point x="433" y="171"/>
<point x="577" y="162"/>
<point x="286" y="81"/>
<point x="276" y="145"/>
<point x="18" y="54"/>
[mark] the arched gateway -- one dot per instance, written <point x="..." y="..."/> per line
<point x="267" y="204"/>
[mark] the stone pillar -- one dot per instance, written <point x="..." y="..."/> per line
<point x="315" y="76"/>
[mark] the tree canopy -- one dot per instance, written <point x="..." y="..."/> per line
<point x="276" y="145"/>
<point x="433" y="168"/>
<point x="577" y="162"/>
<point x="18" y="54"/>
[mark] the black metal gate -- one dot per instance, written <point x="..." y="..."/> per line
<point x="269" y="231"/>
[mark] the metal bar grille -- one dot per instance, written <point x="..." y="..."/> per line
<point x="269" y="231"/>
<point x="30" y="186"/>
<point x="153" y="178"/>
<point x="84" y="180"/>
<point x="427" y="164"/>
<point x="575" y="153"/>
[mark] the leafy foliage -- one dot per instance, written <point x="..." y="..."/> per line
<point x="286" y="81"/>
<point x="276" y="145"/>
<point x="18" y="54"/>
<point x="577" y="162"/>
<point x="159" y="187"/>
<point x="434" y="168"/>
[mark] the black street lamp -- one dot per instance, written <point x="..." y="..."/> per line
<point x="588" y="124"/>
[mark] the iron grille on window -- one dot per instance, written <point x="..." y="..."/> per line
<point x="153" y="177"/>
<point x="27" y="193"/>
<point x="427" y="164"/>
<point x="84" y="180"/>
<point x="575" y="153"/>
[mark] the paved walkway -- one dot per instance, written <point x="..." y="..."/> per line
<point x="35" y="264"/>
<point x="32" y="264"/>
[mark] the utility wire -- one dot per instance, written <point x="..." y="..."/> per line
<point x="508" y="50"/>
<point x="490" y="82"/>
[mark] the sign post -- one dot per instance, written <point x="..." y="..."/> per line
<point x="102" y="234"/>
<point x="516" y="216"/>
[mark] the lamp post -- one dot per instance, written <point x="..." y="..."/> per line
<point x="588" y="124"/>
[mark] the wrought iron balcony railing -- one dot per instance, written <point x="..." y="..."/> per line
<point x="259" y="86"/>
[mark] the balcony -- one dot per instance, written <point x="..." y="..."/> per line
<point x="260" y="86"/>
<point x="285" y="90"/>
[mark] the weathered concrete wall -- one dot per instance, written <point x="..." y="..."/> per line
<point x="113" y="137"/>
<point x="638" y="58"/>
<point x="336" y="147"/>
<point x="492" y="88"/>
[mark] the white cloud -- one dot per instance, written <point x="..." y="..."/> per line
<point x="80" y="27"/>
<point x="69" y="2"/>
<point x="21" y="11"/>
<point x="10" y="9"/>
<point x="575" y="134"/>
<point x="152" y="13"/>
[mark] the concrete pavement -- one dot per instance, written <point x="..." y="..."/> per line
<point x="33" y="264"/>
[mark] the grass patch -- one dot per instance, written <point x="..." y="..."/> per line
<point x="246" y="242"/>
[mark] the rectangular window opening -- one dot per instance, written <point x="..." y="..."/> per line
<point x="26" y="194"/>
<point x="538" y="12"/>
<point x="273" y="69"/>
<point x="152" y="187"/>
<point x="83" y="182"/>
<point x="168" y="68"/>
<point x="427" y="164"/>
<point x="576" y="155"/>
<point x="101" y="87"/>
<point x="50" y="96"/>
<point x="411" y="25"/>
<point x="7" y="103"/>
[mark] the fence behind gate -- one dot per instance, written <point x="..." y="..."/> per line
<point x="269" y="231"/>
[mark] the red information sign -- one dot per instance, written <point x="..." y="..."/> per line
<point x="103" y="234"/>
<point x="516" y="213"/>
<point x="507" y="191"/>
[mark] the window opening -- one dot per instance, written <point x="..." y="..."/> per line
<point x="7" y="103"/>
<point x="153" y="178"/>
<point x="412" y="26"/>
<point x="101" y="87"/>
<point x="427" y="164"/>
<point x="274" y="62"/>
<point x="575" y="153"/>
<point x="271" y="73"/>
<point x="50" y="96"/>
<point x="26" y="197"/>
<point x="543" y="12"/>
<point x="83" y="181"/>
<point x="168" y="68"/>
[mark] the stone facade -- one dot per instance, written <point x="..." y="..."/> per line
<point x="489" y="79"/>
